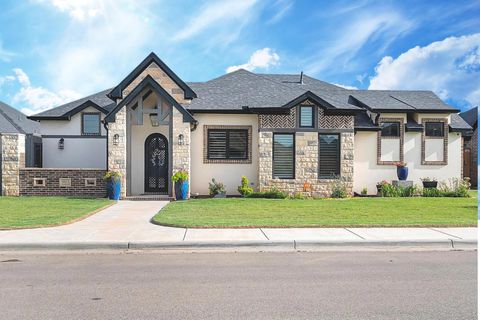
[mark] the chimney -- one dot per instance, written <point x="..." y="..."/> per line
<point x="301" y="77"/>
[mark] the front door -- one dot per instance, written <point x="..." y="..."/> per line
<point x="156" y="163"/>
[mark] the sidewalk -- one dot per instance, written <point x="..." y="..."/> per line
<point x="126" y="225"/>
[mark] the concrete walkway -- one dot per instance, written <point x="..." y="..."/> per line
<point x="127" y="225"/>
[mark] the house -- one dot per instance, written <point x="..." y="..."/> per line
<point x="288" y="131"/>
<point x="20" y="142"/>
<point x="470" y="147"/>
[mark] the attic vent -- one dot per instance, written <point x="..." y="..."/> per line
<point x="301" y="77"/>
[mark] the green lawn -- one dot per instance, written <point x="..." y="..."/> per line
<point x="30" y="212"/>
<point x="237" y="212"/>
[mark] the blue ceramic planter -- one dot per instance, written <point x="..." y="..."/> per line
<point x="402" y="173"/>
<point x="181" y="190"/>
<point x="114" y="187"/>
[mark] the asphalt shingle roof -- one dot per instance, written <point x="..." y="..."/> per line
<point x="14" y="121"/>
<point x="100" y="98"/>
<point x="457" y="123"/>
<point x="239" y="89"/>
<point x="470" y="116"/>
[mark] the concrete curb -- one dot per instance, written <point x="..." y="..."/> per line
<point x="249" y="245"/>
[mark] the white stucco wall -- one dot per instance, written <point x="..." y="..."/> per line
<point x="229" y="174"/>
<point x="367" y="173"/>
<point x="138" y="135"/>
<point x="78" y="152"/>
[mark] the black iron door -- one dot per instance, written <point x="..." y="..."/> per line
<point x="156" y="163"/>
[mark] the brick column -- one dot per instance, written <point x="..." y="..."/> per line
<point x="117" y="154"/>
<point x="13" y="158"/>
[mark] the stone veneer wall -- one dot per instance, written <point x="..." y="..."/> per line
<point x="474" y="162"/>
<point x="306" y="165"/>
<point x="13" y="159"/>
<point x="180" y="153"/>
<point x="52" y="182"/>
<point x="117" y="154"/>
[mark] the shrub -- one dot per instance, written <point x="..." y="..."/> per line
<point x="244" y="189"/>
<point x="298" y="196"/>
<point x="181" y="175"/>
<point x="389" y="190"/>
<point x="364" y="191"/>
<point x="431" y="192"/>
<point x="455" y="187"/>
<point x="273" y="193"/>
<point x="339" y="188"/>
<point x="215" y="187"/>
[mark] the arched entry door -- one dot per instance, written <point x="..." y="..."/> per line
<point x="156" y="163"/>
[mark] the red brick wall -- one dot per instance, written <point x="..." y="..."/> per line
<point x="52" y="187"/>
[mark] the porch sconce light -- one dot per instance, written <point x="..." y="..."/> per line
<point x="181" y="139"/>
<point x="154" y="120"/>
<point x="61" y="144"/>
<point x="116" y="138"/>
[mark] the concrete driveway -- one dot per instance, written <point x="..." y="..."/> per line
<point x="129" y="222"/>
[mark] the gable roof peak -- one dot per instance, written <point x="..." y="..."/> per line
<point x="116" y="92"/>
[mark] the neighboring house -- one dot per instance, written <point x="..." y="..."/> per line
<point x="292" y="132"/>
<point x="20" y="144"/>
<point x="470" y="146"/>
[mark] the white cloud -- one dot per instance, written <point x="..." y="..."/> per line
<point x="282" y="7"/>
<point x="343" y="44"/>
<point x="95" y="53"/>
<point x="260" y="59"/>
<point x="221" y="16"/>
<point x="345" y="86"/>
<point x="37" y="99"/>
<point x="78" y="9"/>
<point x="450" y="68"/>
<point x="22" y="77"/>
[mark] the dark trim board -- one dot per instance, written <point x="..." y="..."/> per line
<point x="71" y="136"/>
<point x="148" y="81"/>
<point x="298" y="130"/>
<point x="116" y="92"/>
<point x="68" y="115"/>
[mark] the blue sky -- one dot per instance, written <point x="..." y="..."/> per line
<point x="54" y="51"/>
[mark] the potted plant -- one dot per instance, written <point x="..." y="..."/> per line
<point x="429" y="182"/>
<point x="217" y="189"/>
<point x="114" y="184"/>
<point x="402" y="170"/>
<point x="180" y="178"/>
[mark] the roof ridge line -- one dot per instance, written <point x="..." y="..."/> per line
<point x="276" y="82"/>
<point x="402" y="102"/>
<point x="11" y="121"/>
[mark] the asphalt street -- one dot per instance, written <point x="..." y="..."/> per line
<point x="293" y="285"/>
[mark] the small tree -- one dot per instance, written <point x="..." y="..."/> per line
<point x="244" y="189"/>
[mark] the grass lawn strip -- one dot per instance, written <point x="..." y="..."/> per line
<point x="353" y="212"/>
<point x="37" y="212"/>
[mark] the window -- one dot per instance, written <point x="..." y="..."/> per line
<point x="39" y="182"/>
<point x="306" y="117"/>
<point x="284" y="156"/>
<point x="227" y="144"/>
<point x="390" y="129"/>
<point x="434" y="129"/>
<point x="91" y="123"/>
<point x="329" y="156"/>
<point x="37" y="155"/>
<point x="90" y="182"/>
